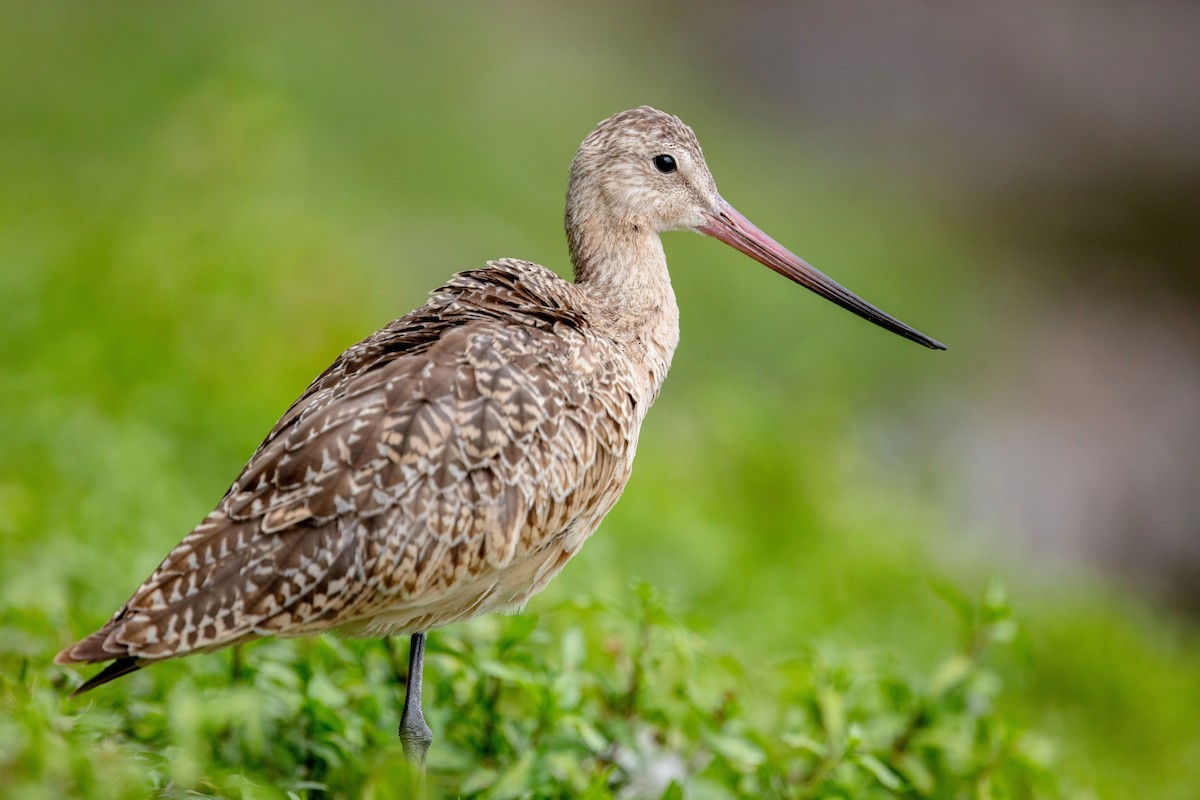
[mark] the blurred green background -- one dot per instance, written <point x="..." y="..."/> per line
<point x="201" y="205"/>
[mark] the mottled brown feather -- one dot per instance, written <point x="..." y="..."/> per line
<point x="431" y="456"/>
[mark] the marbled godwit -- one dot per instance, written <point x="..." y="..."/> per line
<point x="451" y="463"/>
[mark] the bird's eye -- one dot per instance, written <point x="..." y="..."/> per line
<point x="664" y="163"/>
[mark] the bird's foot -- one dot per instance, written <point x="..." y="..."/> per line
<point x="415" y="738"/>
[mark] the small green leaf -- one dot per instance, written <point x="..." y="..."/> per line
<point x="833" y="713"/>
<point x="496" y="669"/>
<point x="949" y="674"/>
<point x="673" y="792"/>
<point x="741" y="753"/>
<point x="885" y="776"/>
<point x="573" y="648"/>
<point x="1003" y="631"/>
<point x="588" y="734"/>
<point x="801" y="742"/>
<point x="477" y="781"/>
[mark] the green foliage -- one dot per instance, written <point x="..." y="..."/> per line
<point x="585" y="700"/>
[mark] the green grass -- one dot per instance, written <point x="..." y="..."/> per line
<point x="201" y="206"/>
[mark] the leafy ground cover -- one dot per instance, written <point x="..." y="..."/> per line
<point x="581" y="701"/>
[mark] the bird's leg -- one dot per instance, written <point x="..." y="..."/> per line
<point x="415" y="735"/>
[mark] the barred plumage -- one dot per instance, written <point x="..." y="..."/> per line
<point x="445" y="466"/>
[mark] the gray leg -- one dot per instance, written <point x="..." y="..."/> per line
<point x="415" y="735"/>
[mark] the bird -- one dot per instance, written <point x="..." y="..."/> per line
<point x="451" y="463"/>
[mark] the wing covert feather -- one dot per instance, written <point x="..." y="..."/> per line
<point x="428" y="461"/>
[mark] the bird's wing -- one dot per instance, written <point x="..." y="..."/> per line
<point x="435" y="453"/>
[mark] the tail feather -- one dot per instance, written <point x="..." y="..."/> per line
<point x="95" y="647"/>
<point x="122" y="666"/>
<point x="99" y="647"/>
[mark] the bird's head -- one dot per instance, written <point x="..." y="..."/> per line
<point x="642" y="172"/>
<point x="644" y="169"/>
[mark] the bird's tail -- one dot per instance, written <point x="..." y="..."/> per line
<point x="98" y="648"/>
<point x="122" y="666"/>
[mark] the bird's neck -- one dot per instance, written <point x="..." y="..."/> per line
<point x="623" y="273"/>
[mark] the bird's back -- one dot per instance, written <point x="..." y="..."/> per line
<point x="447" y="465"/>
